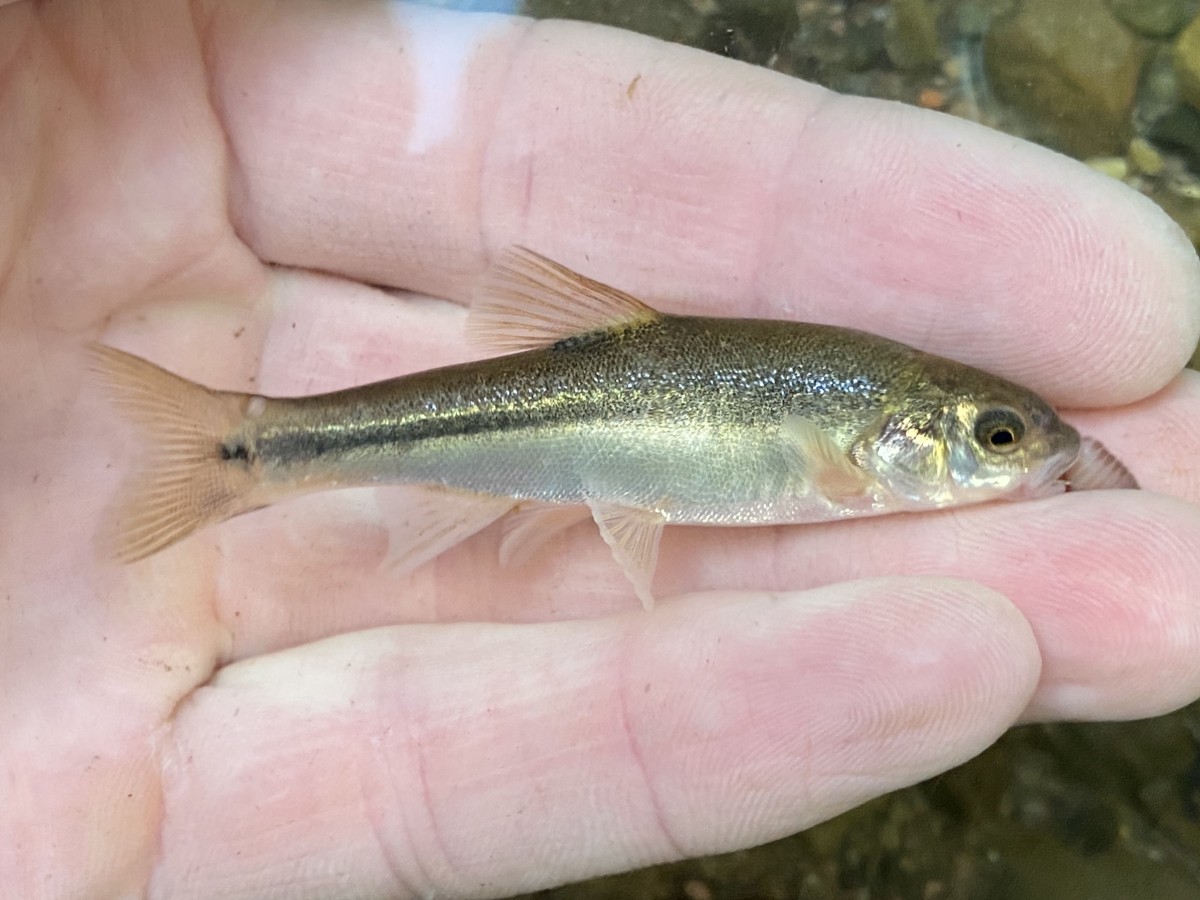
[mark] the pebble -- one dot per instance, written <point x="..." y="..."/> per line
<point x="1144" y="158"/>
<point x="1113" y="166"/>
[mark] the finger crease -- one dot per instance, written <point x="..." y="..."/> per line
<point x="635" y="752"/>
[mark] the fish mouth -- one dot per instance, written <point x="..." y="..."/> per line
<point x="1053" y="478"/>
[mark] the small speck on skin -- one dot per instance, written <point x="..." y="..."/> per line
<point x="629" y="91"/>
<point x="237" y="334"/>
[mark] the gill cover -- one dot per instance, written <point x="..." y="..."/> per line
<point x="909" y="454"/>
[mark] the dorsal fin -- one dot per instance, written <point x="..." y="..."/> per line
<point x="528" y="301"/>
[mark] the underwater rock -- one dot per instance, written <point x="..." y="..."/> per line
<point x="912" y="39"/>
<point x="1154" y="18"/>
<point x="1072" y="70"/>
<point x="1187" y="63"/>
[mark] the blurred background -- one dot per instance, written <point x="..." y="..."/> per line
<point x="1051" y="812"/>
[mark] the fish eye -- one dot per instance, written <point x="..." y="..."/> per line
<point x="999" y="429"/>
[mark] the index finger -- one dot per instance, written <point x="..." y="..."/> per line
<point x="406" y="146"/>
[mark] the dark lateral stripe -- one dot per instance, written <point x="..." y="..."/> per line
<point x="350" y="438"/>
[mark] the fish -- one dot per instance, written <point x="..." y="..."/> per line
<point x="600" y="407"/>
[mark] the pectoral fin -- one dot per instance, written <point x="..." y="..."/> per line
<point x="632" y="535"/>
<point x="831" y="472"/>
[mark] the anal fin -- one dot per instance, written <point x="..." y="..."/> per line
<point x="633" y="536"/>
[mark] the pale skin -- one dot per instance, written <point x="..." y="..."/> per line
<point x="218" y="720"/>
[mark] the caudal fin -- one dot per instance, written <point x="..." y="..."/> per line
<point x="190" y="478"/>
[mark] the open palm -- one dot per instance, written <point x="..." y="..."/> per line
<point x="269" y="709"/>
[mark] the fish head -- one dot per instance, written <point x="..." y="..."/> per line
<point x="950" y="445"/>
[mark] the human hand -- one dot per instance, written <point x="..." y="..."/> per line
<point x="219" y="719"/>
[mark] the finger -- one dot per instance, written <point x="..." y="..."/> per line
<point x="679" y="175"/>
<point x="483" y="760"/>
<point x="1158" y="437"/>
<point x="1105" y="579"/>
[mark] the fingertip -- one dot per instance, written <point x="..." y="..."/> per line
<point x="1118" y="625"/>
<point x="1155" y="438"/>
<point x="789" y="708"/>
<point x="983" y="247"/>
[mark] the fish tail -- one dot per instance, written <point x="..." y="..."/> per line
<point x="196" y="471"/>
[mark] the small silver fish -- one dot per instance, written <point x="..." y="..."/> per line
<point x="606" y="409"/>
